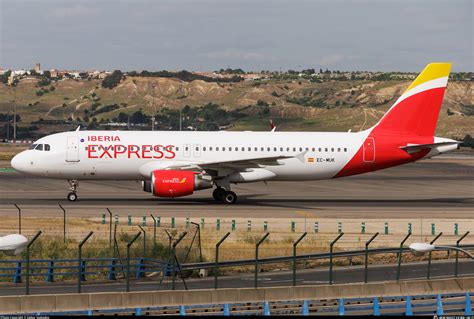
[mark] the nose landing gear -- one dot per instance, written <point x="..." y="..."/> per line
<point x="72" y="196"/>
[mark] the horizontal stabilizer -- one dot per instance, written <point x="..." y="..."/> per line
<point x="412" y="148"/>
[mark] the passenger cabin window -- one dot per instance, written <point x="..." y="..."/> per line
<point x="345" y="149"/>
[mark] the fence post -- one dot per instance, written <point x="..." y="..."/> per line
<point x="233" y="225"/>
<point x="28" y="261"/>
<point x="265" y="226"/>
<point x="17" y="276"/>
<point x="110" y="227"/>
<point x="293" y="227"/>
<point x="439" y="305"/>
<point x="144" y="240"/>
<point x="218" y="224"/>
<point x="154" y="229"/>
<point x="112" y="270"/>
<point x="103" y="219"/>
<point x="129" y="220"/>
<point x="341" y="307"/>
<point x="386" y="228"/>
<point x="408" y="307"/>
<point x="339" y="228"/>
<point x="256" y="257"/>
<point x="50" y="275"/>
<point x="19" y="218"/>
<point x="64" y="222"/>
<point x="330" y="256"/>
<point x="128" y="259"/>
<point x="433" y="228"/>
<point x="468" y="307"/>
<point x="174" y="259"/>
<point x="457" y="253"/>
<point x="216" y="268"/>
<point x="367" y="255"/>
<point x="400" y="252"/>
<point x="143" y="220"/>
<point x="305" y="310"/>
<point x="362" y="228"/>
<point x="376" y="307"/>
<point x="294" y="256"/>
<point x="187" y="222"/>
<point x="79" y="258"/>
<point x="456" y="229"/>
<point x="429" y="258"/>
<point x="202" y="223"/>
<point x="173" y="222"/>
<point x="266" y="308"/>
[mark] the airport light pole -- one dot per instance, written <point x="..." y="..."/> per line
<point x="400" y="255"/>
<point x="428" y="275"/>
<point x="330" y="256"/>
<point x="173" y="282"/>
<point x="128" y="259"/>
<point x="28" y="261"/>
<point x="367" y="255"/>
<point x="154" y="229"/>
<point x="216" y="268"/>
<point x="294" y="256"/>
<point x="64" y="223"/>
<point x="144" y="240"/>
<point x="79" y="258"/>
<point x="457" y="253"/>
<point x="19" y="218"/>
<point x="422" y="248"/>
<point x="110" y="227"/>
<point x="153" y="85"/>
<point x="256" y="257"/>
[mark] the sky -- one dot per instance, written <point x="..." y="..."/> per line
<point x="206" y="35"/>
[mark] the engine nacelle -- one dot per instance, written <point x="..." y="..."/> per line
<point x="170" y="183"/>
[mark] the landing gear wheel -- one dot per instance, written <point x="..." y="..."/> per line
<point x="72" y="196"/>
<point x="229" y="198"/>
<point x="218" y="193"/>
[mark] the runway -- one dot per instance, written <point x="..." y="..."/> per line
<point x="319" y="276"/>
<point x="439" y="187"/>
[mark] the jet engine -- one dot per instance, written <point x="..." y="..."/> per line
<point x="173" y="183"/>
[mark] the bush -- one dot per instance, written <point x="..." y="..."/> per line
<point x="112" y="80"/>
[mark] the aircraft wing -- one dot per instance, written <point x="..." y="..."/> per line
<point x="218" y="168"/>
<point x="239" y="164"/>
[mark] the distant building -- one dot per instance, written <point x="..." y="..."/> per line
<point x="54" y="73"/>
<point x="11" y="79"/>
<point x="38" y="68"/>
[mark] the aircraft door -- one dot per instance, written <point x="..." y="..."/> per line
<point x="369" y="150"/>
<point x="187" y="150"/>
<point x="72" y="149"/>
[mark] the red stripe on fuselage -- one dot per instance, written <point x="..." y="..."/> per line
<point x="412" y="121"/>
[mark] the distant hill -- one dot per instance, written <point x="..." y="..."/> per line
<point x="292" y="104"/>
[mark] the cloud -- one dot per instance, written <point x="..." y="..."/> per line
<point x="235" y="54"/>
<point x="74" y="11"/>
<point x="333" y="59"/>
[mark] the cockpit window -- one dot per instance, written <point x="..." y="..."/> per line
<point x="39" y="147"/>
<point x="47" y="147"/>
<point x="33" y="146"/>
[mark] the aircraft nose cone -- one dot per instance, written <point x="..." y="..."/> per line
<point x="19" y="162"/>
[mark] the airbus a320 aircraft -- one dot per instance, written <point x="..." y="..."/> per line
<point x="174" y="164"/>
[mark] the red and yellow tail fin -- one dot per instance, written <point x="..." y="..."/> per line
<point x="416" y="111"/>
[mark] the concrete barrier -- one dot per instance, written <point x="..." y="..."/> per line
<point x="121" y="300"/>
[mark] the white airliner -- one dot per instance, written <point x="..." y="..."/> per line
<point x="173" y="164"/>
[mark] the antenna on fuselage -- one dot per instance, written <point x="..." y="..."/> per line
<point x="78" y="128"/>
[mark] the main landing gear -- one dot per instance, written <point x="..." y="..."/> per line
<point x="227" y="197"/>
<point x="72" y="196"/>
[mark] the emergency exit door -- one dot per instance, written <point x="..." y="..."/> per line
<point x="369" y="150"/>
<point x="72" y="149"/>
